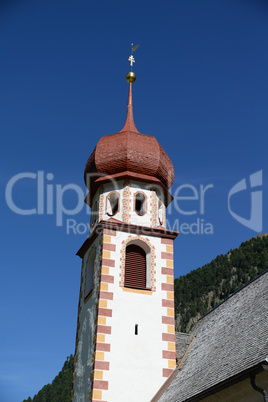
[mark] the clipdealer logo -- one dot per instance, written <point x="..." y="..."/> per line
<point x="189" y="201"/>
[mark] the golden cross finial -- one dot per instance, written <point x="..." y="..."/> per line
<point x="132" y="60"/>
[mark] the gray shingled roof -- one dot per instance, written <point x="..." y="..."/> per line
<point x="182" y="342"/>
<point x="230" y="339"/>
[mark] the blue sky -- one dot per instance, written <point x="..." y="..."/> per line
<point x="201" y="90"/>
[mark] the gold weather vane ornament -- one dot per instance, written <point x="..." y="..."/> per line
<point x="131" y="58"/>
<point x="131" y="77"/>
<point x="134" y="48"/>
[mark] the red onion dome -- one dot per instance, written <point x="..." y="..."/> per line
<point x="129" y="151"/>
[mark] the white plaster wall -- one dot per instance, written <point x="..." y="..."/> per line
<point x="136" y="362"/>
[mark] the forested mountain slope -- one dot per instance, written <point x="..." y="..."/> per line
<point x="60" y="388"/>
<point x="202" y="289"/>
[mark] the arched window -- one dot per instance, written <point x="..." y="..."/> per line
<point x="160" y="212"/>
<point x="135" y="267"/>
<point x="94" y="213"/>
<point x="140" y="204"/>
<point x="112" y="203"/>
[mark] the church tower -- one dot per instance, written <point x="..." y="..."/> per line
<point x="125" y="341"/>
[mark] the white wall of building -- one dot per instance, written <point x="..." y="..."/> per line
<point x="136" y="361"/>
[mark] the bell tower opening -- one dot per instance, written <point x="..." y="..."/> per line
<point x="112" y="203"/>
<point x="140" y="204"/>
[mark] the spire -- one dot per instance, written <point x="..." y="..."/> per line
<point x="130" y="77"/>
<point x="129" y="124"/>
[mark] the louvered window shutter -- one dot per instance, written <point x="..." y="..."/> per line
<point x="135" y="267"/>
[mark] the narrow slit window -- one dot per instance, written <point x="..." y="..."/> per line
<point x="136" y="329"/>
<point x="140" y="204"/>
